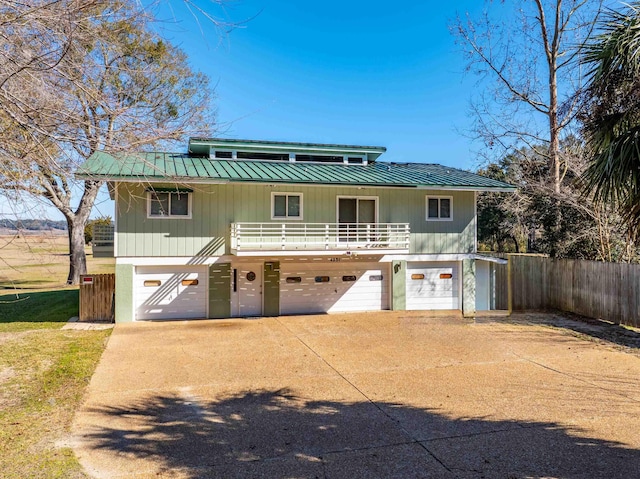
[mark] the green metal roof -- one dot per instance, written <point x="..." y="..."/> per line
<point x="176" y="167"/>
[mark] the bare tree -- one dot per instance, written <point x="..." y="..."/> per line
<point x="525" y="54"/>
<point x="40" y="32"/>
<point x="587" y="229"/>
<point x="92" y="77"/>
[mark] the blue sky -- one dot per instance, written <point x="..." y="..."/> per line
<point x="353" y="72"/>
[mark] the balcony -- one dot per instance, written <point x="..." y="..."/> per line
<point x="253" y="239"/>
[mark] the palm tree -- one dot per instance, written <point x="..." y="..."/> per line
<point x="611" y="114"/>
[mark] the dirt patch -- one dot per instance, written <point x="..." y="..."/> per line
<point x="5" y="337"/>
<point x="8" y="397"/>
<point x="6" y="374"/>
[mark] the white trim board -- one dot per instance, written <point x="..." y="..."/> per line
<point x="428" y="257"/>
<point x="190" y="180"/>
<point x="303" y="256"/>
<point x="491" y="259"/>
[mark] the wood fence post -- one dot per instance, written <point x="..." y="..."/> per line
<point x="509" y="285"/>
<point x="97" y="297"/>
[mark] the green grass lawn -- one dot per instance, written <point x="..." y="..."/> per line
<point x="44" y="371"/>
<point x="25" y="310"/>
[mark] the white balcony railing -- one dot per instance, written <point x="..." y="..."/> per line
<point x="327" y="237"/>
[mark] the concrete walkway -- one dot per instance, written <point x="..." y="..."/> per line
<point x="359" y="396"/>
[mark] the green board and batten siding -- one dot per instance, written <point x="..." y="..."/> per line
<point x="124" y="305"/>
<point x="215" y="207"/>
<point x="220" y="290"/>
<point x="469" y="287"/>
<point x="271" y="288"/>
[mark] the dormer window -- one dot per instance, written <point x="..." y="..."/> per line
<point x="259" y="155"/>
<point x="292" y="157"/>
<point x="321" y="158"/>
<point x="281" y="151"/>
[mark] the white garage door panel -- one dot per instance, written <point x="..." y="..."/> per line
<point x="171" y="299"/>
<point x="336" y="295"/>
<point x="433" y="292"/>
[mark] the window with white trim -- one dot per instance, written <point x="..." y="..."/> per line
<point x="439" y="208"/>
<point x="286" y="206"/>
<point x="168" y="204"/>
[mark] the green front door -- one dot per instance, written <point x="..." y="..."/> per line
<point x="271" y="288"/>
<point x="220" y="290"/>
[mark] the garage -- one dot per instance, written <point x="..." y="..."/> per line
<point x="340" y="287"/>
<point x="433" y="286"/>
<point x="170" y="292"/>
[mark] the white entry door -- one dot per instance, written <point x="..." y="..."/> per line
<point x="249" y="289"/>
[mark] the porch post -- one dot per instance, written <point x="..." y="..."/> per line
<point x="124" y="307"/>
<point x="468" y="288"/>
<point x="399" y="285"/>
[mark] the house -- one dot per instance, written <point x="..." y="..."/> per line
<point x="239" y="228"/>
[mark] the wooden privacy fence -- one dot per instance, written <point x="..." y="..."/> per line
<point x="609" y="291"/>
<point x="97" y="297"/>
<point x="501" y="288"/>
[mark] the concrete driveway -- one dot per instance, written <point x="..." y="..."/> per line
<point x="360" y="395"/>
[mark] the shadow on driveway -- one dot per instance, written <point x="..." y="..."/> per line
<point x="585" y="327"/>
<point x="277" y="434"/>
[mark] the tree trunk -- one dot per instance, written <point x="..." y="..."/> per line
<point x="552" y="46"/>
<point x="77" y="257"/>
<point x="554" y="152"/>
<point x="515" y="242"/>
<point x="554" y="137"/>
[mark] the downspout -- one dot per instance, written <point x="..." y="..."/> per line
<point x="475" y="220"/>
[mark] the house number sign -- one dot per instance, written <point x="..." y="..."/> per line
<point x="335" y="260"/>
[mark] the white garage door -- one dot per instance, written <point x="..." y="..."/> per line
<point x="433" y="286"/>
<point x="170" y="292"/>
<point x="345" y="286"/>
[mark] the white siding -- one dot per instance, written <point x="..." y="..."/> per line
<point x="483" y="283"/>
<point x="430" y="288"/>
<point x="247" y="299"/>
<point x="171" y="299"/>
<point x="366" y="293"/>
